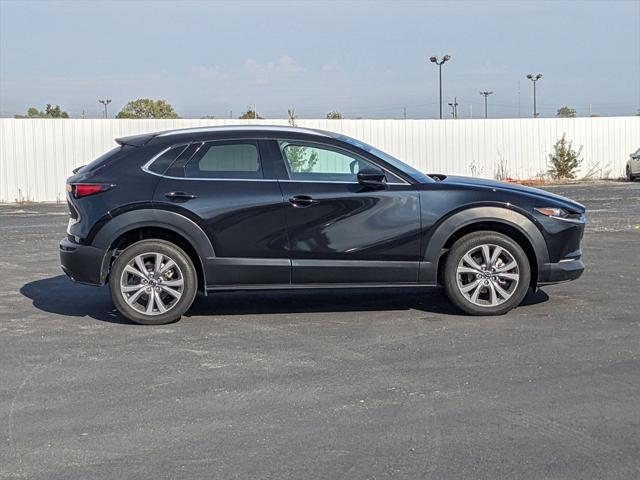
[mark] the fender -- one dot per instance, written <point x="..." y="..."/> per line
<point x="150" y="217"/>
<point x="507" y="216"/>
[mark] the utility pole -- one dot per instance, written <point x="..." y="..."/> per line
<point x="292" y="116"/>
<point x="255" y="112"/>
<point x="485" y="95"/>
<point x="404" y="112"/>
<point x="454" y="108"/>
<point x="105" y="102"/>
<point x="439" y="63"/>
<point x="534" y="79"/>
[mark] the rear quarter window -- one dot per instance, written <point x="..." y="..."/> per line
<point x="165" y="159"/>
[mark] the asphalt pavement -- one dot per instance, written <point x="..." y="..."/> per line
<point x="351" y="384"/>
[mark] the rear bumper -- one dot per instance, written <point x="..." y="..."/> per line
<point x="563" y="271"/>
<point x="82" y="263"/>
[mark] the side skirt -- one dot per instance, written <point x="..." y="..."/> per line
<point x="302" y="286"/>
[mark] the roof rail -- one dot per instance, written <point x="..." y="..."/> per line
<point x="230" y="128"/>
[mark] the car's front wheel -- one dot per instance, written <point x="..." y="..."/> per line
<point x="486" y="273"/>
<point x="153" y="282"/>
<point x="630" y="176"/>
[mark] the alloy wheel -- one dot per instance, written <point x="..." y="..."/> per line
<point x="487" y="275"/>
<point x="152" y="283"/>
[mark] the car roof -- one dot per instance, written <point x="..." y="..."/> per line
<point x="143" y="139"/>
<point x="245" y="128"/>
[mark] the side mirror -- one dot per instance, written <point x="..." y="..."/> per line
<point x="372" y="177"/>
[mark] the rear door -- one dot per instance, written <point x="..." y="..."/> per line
<point x="340" y="231"/>
<point x="225" y="187"/>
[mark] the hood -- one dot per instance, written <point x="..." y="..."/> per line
<point x="542" y="195"/>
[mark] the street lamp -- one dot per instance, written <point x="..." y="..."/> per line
<point x="485" y="95"/>
<point x="105" y="102"/>
<point x="534" y="79"/>
<point x="439" y="64"/>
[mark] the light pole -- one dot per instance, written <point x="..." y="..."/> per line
<point x="485" y="95"/>
<point x="439" y="63"/>
<point x="534" y="79"/>
<point x="105" y="102"/>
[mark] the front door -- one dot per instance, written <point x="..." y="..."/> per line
<point x="222" y="186"/>
<point x="340" y="231"/>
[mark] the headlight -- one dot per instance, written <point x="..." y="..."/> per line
<point x="560" y="213"/>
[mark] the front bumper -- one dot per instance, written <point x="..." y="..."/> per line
<point x="562" y="271"/>
<point x="82" y="263"/>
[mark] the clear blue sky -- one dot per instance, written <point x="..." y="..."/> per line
<point x="365" y="59"/>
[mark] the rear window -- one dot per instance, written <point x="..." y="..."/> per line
<point x="101" y="160"/>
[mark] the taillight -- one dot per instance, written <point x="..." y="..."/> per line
<point x="79" y="190"/>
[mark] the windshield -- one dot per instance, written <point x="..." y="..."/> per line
<point x="391" y="160"/>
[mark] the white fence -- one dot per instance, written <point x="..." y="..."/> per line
<point x="36" y="156"/>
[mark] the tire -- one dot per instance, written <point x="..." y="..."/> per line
<point x="498" y="291"/>
<point x="630" y="177"/>
<point x="172" y="285"/>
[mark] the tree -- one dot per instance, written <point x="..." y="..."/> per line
<point x="249" y="115"/>
<point x="147" y="108"/>
<point x="299" y="158"/>
<point x="564" y="161"/>
<point x="566" y="112"/>
<point x="49" y="112"/>
<point x="334" y="115"/>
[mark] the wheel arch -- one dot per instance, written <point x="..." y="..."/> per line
<point x="503" y="220"/>
<point x="136" y="225"/>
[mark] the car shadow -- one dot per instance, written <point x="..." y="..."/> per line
<point x="61" y="296"/>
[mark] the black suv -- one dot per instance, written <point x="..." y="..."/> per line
<point x="166" y="214"/>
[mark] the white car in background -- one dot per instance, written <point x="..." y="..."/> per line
<point x="633" y="166"/>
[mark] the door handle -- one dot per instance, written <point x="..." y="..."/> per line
<point x="179" y="196"/>
<point x="302" y="201"/>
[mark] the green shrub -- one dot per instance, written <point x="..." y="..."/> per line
<point x="564" y="161"/>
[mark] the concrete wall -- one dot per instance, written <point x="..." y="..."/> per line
<point x="37" y="155"/>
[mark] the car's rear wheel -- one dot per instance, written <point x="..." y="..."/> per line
<point x="153" y="282"/>
<point x="486" y="273"/>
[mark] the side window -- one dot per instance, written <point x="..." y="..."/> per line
<point x="319" y="163"/>
<point x="225" y="160"/>
<point x="165" y="160"/>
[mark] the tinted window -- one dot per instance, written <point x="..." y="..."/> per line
<point x="225" y="160"/>
<point x="102" y="159"/>
<point x="163" y="162"/>
<point x="322" y="163"/>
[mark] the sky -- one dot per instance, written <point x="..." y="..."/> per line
<point x="366" y="59"/>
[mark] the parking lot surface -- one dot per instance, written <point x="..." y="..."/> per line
<point x="352" y="384"/>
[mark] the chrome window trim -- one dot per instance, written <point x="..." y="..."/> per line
<point x="145" y="167"/>
<point x="335" y="181"/>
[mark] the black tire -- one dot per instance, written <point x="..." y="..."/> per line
<point x="517" y="289"/>
<point x="630" y="177"/>
<point x="182" y="271"/>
